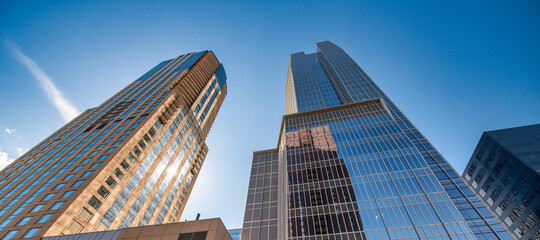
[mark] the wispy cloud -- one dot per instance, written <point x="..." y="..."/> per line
<point x="10" y="130"/>
<point x="66" y="109"/>
<point x="20" y="151"/>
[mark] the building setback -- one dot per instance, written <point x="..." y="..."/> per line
<point x="504" y="172"/>
<point x="132" y="161"/>
<point x="350" y="165"/>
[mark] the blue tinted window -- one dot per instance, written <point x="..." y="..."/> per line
<point x="110" y="150"/>
<point x="32" y="232"/>
<point x="37" y="208"/>
<point x="86" y="160"/>
<point x="86" y="174"/>
<point x="68" y="194"/>
<point x="59" y="186"/>
<point x="70" y="176"/>
<point x="9" y="235"/>
<point x="78" y="168"/>
<point x="45" y="218"/>
<point x="56" y="205"/>
<point x="48" y="197"/>
<point x="94" y="153"/>
<point x="24" y="221"/>
<point x="95" y="165"/>
<point x="78" y="183"/>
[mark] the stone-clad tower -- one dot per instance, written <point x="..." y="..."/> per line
<point x="131" y="161"/>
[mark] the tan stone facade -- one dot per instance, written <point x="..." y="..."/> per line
<point x="208" y="229"/>
<point x="131" y="161"/>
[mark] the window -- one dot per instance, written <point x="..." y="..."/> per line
<point x="128" y="120"/>
<point x="78" y="168"/>
<point x="123" y="136"/>
<point x="103" y="192"/>
<point x="86" y="160"/>
<point x="59" y="186"/>
<point x="147" y="138"/>
<point x="94" y="153"/>
<point x="110" y="181"/>
<point x="23" y="221"/>
<point x="48" y="197"/>
<point x="110" y="150"/>
<point x="152" y="132"/>
<point x="116" y="133"/>
<point x="31" y="233"/>
<point x="101" y="146"/>
<point x="175" y="212"/>
<point x="125" y="165"/>
<point x="94" y="202"/>
<point x="135" y="124"/>
<point x="117" y="143"/>
<point x="118" y="173"/>
<point x="142" y="145"/>
<point x="68" y="194"/>
<point x="103" y="157"/>
<point x="37" y="208"/>
<point x="85" y="214"/>
<point x="128" y="131"/>
<point x="136" y="151"/>
<point x="75" y="227"/>
<point x="178" y="205"/>
<point x="95" y="165"/>
<point x="45" y="218"/>
<point x="131" y="158"/>
<point x="56" y="205"/>
<point x="9" y="235"/>
<point x="86" y="174"/>
<point x="107" y="140"/>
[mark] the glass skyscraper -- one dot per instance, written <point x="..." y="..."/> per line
<point x="350" y="165"/>
<point x="504" y="171"/>
<point x="132" y="161"/>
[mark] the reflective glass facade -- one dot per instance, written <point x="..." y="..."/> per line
<point x="352" y="166"/>
<point x="131" y="161"/>
<point x="235" y="233"/>
<point x="504" y="172"/>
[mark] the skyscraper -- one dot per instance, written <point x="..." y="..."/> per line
<point x="504" y="171"/>
<point x="131" y="161"/>
<point x="350" y="165"/>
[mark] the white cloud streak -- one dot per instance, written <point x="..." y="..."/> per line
<point x="63" y="105"/>
<point x="10" y="130"/>
<point x="5" y="160"/>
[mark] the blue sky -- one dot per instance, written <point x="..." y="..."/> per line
<point x="455" y="68"/>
